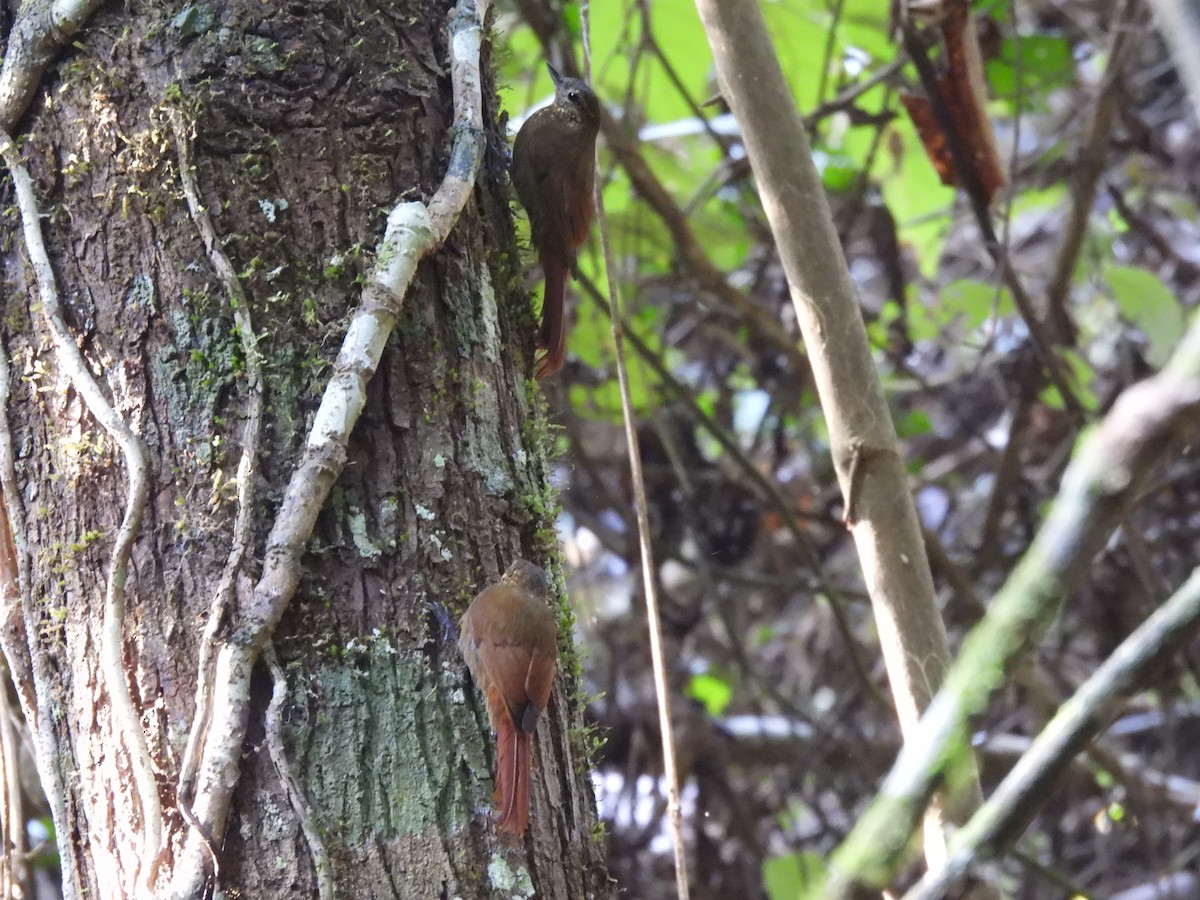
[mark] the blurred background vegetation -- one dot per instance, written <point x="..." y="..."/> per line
<point x="783" y="721"/>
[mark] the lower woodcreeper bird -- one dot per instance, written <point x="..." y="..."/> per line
<point x="509" y="639"/>
<point x="554" y="172"/>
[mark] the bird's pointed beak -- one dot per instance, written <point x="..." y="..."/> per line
<point x="555" y="75"/>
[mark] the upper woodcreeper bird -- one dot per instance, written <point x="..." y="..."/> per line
<point x="509" y="639"/>
<point x="554" y="172"/>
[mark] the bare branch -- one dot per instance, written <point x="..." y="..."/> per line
<point x="886" y="531"/>
<point x="1089" y="167"/>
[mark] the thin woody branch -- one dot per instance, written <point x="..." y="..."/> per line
<point x="1089" y="167"/>
<point x="413" y="231"/>
<point x="886" y="530"/>
<point x="662" y="691"/>
<point x="762" y="487"/>
<point x="273" y="726"/>
<point x="624" y="148"/>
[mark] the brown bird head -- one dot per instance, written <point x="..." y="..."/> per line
<point x="574" y="100"/>
<point x="526" y="576"/>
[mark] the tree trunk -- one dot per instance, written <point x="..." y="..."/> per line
<point x="307" y="123"/>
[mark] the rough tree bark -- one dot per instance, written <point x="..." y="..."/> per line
<point x="305" y="125"/>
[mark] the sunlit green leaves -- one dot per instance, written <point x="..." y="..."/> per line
<point x="965" y="303"/>
<point x="1037" y="64"/>
<point x="712" y="690"/>
<point x="1149" y="305"/>
<point x="792" y="875"/>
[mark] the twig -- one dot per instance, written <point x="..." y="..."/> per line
<point x="1185" y="269"/>
<point x="692" y="257"/>
<point x="653" y="615"/>
<point x="1088" y="168"/>
<point x="125" y="714"/>
<point x="847" y="98"/>
<point x="721" y="142"/>
<point x="1008" y="471"/>
<point x="247" y="473"/>
<point x="413" y="231"/>
<point x="295" y="794"/>
<point x="835" y="16"/>
<point x="1027" y="787"/>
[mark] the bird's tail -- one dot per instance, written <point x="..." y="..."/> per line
<point x="513" y="750"/>
<point x="553" y="336"/>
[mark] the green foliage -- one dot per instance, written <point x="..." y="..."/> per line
<point x="789" y="876"/>
<point x="712" y="690"/>
<point x="1150" y="306"/>
<point x="965" y="303"/>
<point x="1029" y="68"/>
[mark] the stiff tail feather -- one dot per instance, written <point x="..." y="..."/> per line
<point x="513" y="750"/>
<point x="553" y="336"/>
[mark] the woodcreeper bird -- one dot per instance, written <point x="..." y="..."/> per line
<point x="554" y="172"/>
<point x="509" y="639"/>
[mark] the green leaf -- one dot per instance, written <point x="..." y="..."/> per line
<point x="1041" y="62"/>
<point x="711" y="690"/>
<point x="913" y="424"/>
<point x="838" y="175"/>
<point x="975" y="301"/>
<point x="789" y="876"/>
<point x="1081" y="373"/>
<point x="1149" y="304"/>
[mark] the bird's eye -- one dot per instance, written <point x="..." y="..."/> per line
<point x="572" y="96"/>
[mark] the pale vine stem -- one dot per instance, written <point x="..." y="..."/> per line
<point x="23" y="654"/>
<point x="125" y="714"/>
<point x="38" y="32"/>
<point x="247" y="470"/>
<point x="413" y="231"/>
<point x="653" y="616"/>
<point x="274" y="732"/>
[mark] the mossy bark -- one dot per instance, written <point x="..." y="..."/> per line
<point x="310" y="122"/>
